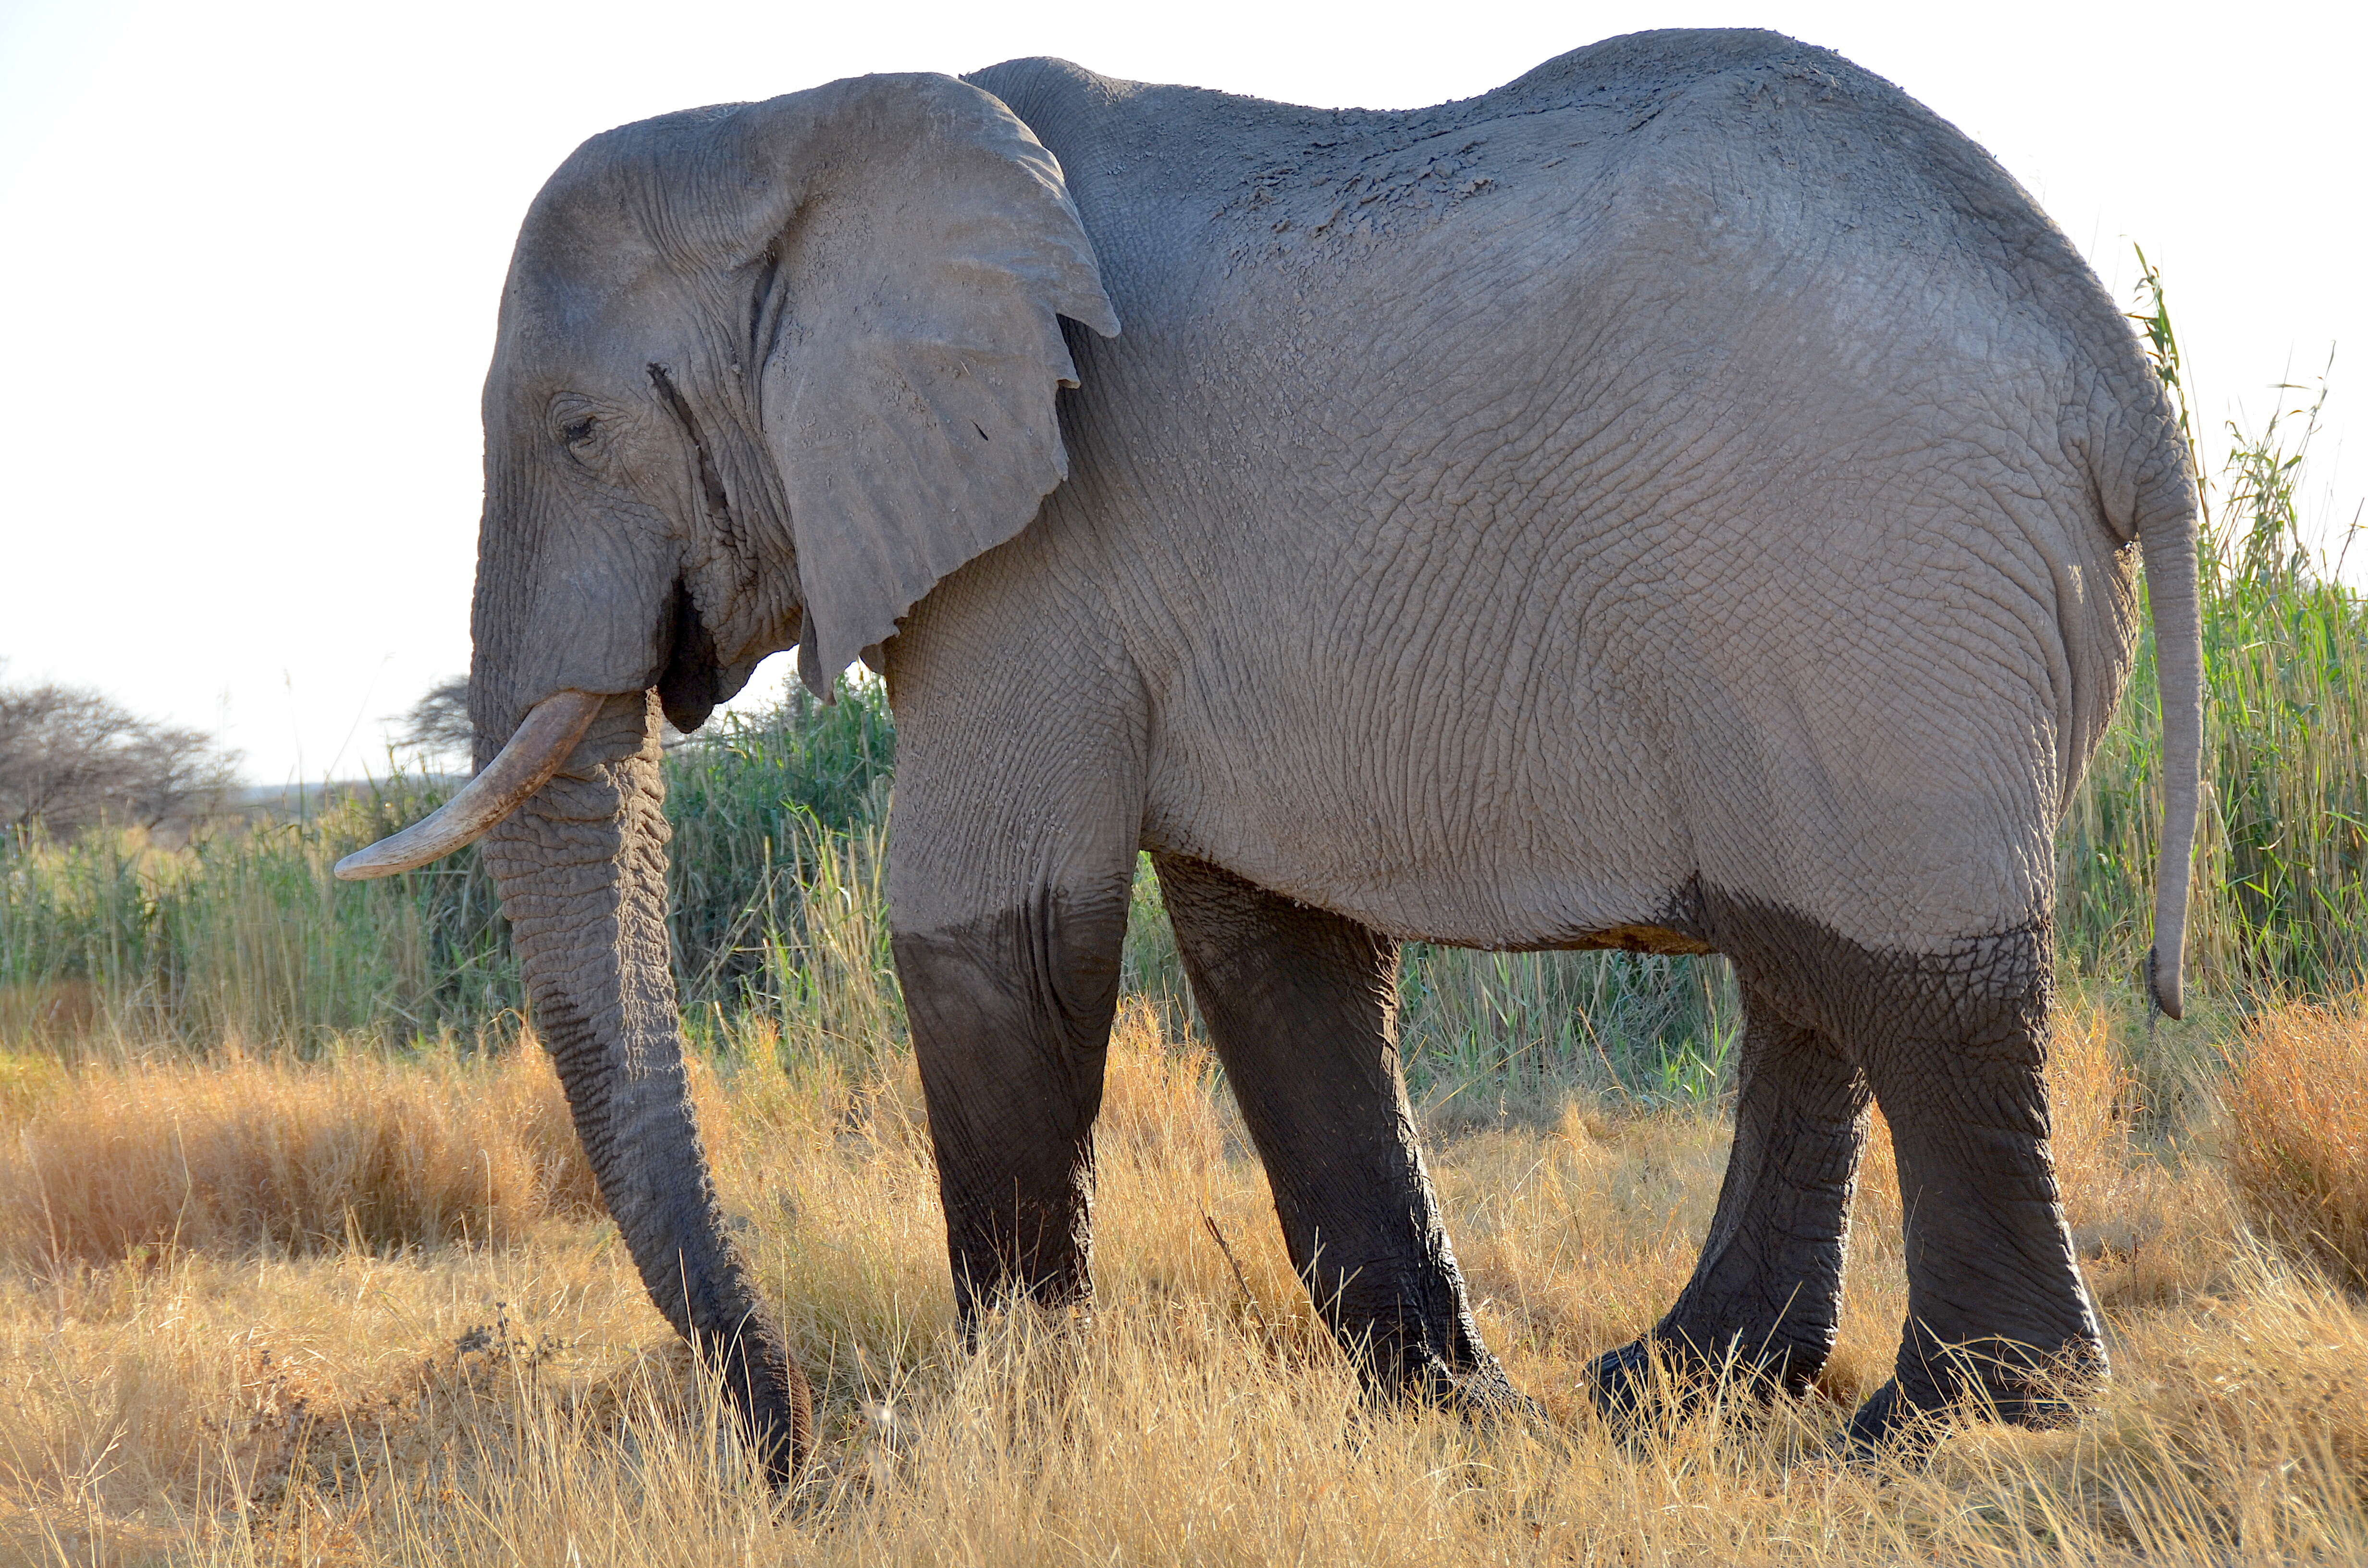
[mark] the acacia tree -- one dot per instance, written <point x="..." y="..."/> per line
<point x="438" y="725"/>
<point x="71" y="757"/>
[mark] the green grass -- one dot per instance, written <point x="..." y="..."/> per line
<point x="779" y="845"/>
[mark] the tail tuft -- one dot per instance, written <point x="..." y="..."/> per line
<point x="2163" y="987"/>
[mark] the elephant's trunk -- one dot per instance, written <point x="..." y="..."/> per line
<point x="581" y="866"/>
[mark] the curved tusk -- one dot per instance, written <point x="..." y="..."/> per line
<point x="539" y="749"/>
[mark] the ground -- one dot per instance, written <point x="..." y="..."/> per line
<point x="341" y="1395"/>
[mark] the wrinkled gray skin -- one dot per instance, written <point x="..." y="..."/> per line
<point x="1683" y="499"/>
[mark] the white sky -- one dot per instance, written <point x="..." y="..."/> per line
<point x="250" y="255"/>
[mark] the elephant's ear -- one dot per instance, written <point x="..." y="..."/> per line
<point x="911" y="347"/>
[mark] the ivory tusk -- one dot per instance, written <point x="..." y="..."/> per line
<point x="539" y="749"/>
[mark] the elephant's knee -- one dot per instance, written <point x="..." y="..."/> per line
<point x="1044" y="965"/>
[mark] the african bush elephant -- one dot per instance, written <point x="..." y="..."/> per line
<point x="1684" y="500"/>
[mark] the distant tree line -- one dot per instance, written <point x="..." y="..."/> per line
<point x="71" y="758"/>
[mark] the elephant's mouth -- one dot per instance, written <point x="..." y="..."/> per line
<point x="691" y="680"/>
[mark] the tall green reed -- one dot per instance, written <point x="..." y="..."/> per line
<point x="2278" y="906"/>
<point x="246" y="937"/>
<point x="761" y="805"/>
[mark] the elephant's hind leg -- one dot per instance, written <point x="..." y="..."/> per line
<point x="1766" y="1295"/>
<point x="1995" y="1310"/>
<point x="1301" y="1006"/>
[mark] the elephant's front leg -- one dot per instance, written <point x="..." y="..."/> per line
<point x="1007" y="895"/>
<point x="1301" y="1006"/>
<point x="1010" y="1016"/>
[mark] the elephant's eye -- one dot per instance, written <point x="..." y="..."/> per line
<point x="577" y="433"/>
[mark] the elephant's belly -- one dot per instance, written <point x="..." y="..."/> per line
<point x="1460" y="909"/>
<point x="1570" y="856"/>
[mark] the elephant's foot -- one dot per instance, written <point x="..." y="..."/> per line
<point x="1479" y="1391"/>
<point x="1908" y="1415"/>
<point x="1629" y="1386"/>
<point x="1664" y="1376"/>
<point x="1886" y="1426"/>
<point x="1014" y="1308"/>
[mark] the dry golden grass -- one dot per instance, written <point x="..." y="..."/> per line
<point x="237" y="1154"/>
<point x="2298" y="1129"/>
<point x="521" y="1403"/>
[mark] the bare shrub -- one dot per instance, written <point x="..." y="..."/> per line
<point x="2298" y="1130"/>
<point x="71" y="757"/>
<point x="436" y="727"/>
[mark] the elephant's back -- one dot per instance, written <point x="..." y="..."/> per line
<point x="1691" y="167"/>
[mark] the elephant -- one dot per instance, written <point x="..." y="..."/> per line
<point x="1687" y="500"/>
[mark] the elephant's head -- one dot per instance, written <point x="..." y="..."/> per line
<point x="765" y="373"/>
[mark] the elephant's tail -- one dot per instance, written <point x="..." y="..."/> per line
<point x="2165" y="519"/>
